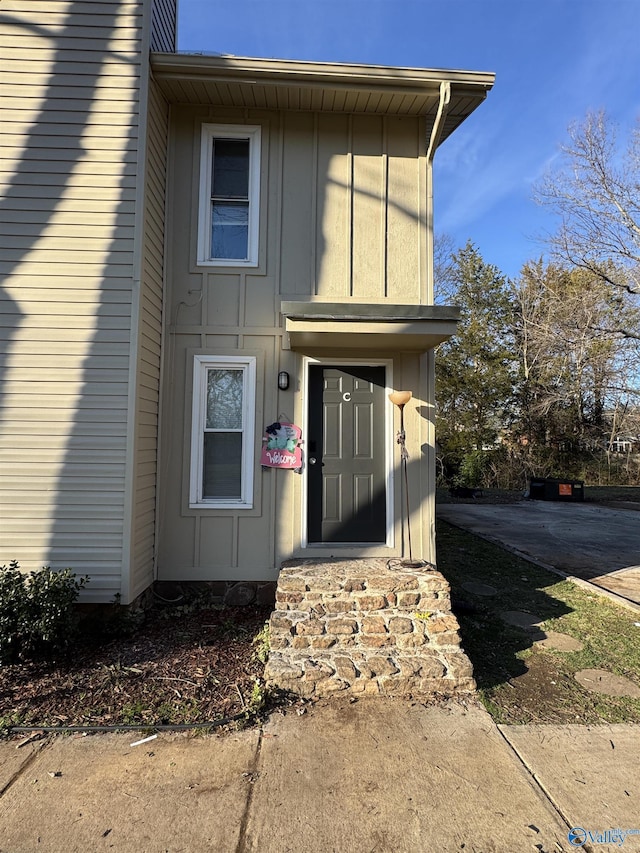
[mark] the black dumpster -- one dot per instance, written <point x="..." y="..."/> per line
<point x="553" y="489"/>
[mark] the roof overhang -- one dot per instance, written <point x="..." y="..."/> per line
<point x="270" y="84"/>
<point x="318" y="326"/>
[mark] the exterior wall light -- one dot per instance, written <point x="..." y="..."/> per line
<point x="283" y="380"/>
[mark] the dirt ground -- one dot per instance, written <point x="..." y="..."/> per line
<point x="541" y="694"/>
<point x="176" y="665"/>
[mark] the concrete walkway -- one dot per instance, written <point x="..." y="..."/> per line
<point x="594" y="543"/>
<point x="373" y="775"/>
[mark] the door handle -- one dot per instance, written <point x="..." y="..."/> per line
<point x="313" y="461"/>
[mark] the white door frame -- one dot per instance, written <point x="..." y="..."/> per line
<point x="334" y="361"/>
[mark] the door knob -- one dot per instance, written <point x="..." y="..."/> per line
<point x="312" y="460"/>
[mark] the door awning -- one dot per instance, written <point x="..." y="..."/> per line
<point x="313" y="326"/>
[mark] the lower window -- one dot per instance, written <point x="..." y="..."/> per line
<point x="222" y="435"/>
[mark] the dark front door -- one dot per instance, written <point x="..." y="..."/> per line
<point x="345" y="454"/>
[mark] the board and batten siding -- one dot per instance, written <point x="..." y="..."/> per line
<point x="342" y="219"/>
<point x="73" y="77"/>
<point x="353" y="208"/>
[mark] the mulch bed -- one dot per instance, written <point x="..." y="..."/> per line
<point x="193" y="664"/>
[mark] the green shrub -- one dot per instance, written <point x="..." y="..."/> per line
<point x="37" y="613"/>
<point x="261" y="641"/>
<point x="472" y="469"/>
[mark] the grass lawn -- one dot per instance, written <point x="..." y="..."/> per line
<point x="518" y="681"/>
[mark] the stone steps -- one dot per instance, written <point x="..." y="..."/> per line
<point x="364" y="626"/>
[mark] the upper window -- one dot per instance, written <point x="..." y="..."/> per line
<point x="229" y="195"/>
<point x="222" y="451"/>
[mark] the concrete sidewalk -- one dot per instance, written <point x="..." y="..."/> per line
<point x="373" y="775"/>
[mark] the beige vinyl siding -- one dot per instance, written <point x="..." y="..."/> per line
<point x="70" y="127"/>
<point x="149" y="347"/>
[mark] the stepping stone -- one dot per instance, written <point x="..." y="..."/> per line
<point x="522" y="619"/>
<point x="602" y="681"/>
<point x="478" y="588"/>
<point x="530" y="623"/>
<point x="559" y="642"/>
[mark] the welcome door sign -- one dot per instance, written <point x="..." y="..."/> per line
<point x="281" y="446"/>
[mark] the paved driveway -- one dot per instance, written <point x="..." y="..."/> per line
<point x="596" y="543"/>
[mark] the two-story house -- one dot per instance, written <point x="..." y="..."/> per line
<point x="200" y="250"/>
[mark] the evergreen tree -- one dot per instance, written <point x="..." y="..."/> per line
<point x="475" y="369"/>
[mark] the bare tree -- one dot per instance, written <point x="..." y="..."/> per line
<point x="575" y="370"/>
<point x="444" y="269"/>
<point x="596" y="193"/>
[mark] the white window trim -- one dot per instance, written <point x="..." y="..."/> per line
<point x="228" y="131"/>
<point x="199" y="405"/>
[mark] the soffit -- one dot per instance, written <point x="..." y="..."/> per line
<point x="265" y="84"/>
<point x="385" y="329"/>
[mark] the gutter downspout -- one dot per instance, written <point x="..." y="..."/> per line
<point x="427" y="361"/>
<point x="436" y="133"/>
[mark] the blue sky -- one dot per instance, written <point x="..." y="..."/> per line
<point x="554" y="60"/>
